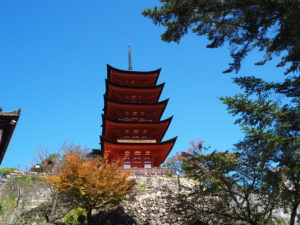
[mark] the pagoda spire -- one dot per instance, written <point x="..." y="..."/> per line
<point x="129" y="57"/>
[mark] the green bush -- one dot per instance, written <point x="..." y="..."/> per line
<point x="141" y="187"/>
<point x="5" y="171"/>
<point x="1" y="209"/>
<point x="75" y="217"/>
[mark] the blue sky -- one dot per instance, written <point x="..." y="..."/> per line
<point x="53" y="57"/>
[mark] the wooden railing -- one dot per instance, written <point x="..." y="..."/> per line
<point x="153" y="172"/>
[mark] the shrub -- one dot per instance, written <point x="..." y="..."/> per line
<point x="1" y="209"/>
<point x="75" y="217"/>
<point x="141" y="187"/>
<point x="5" y="171"/>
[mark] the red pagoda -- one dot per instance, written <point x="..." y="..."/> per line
<point x="132" y="125"/>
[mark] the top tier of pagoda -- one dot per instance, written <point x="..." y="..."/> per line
<point x="132" y="126"/>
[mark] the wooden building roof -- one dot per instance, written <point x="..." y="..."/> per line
<point x="132" y="78"/>
<point x="147" y="112"/>
<point x="8" y="122"/>
<point x="121" y="130"/>
<point x="131" y="94"/>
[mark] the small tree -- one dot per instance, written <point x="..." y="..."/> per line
<point x="91" y="183"/>
<point x="176" y="161"/>
<point x="45" y="162"/>
<point x="230" y="189"/>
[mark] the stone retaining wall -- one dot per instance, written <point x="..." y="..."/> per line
<point x="150" y="202"/>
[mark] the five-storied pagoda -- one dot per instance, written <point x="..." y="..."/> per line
<point x="132" y="127"/>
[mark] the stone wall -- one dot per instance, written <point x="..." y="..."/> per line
<point x="150" y="202"/>
<point x="19" y="194"/>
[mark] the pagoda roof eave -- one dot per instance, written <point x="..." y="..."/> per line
<point x="131" y="88"/>
<point x="109" y="67"/>
<point x="134" y="87"/>
<point x="107" y="99"/>
<point x="122" y="143"/>
<point x="162" y="104"/>
<point x="104" y="117"/>
<point x="173" y="140"/>
<point x="168" y="121"/>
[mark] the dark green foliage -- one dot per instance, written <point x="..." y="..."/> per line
<point x="268" y="112"/>
<point x="271" y="26"/>
<point x="1" y="209"/>
<point x="269" y="115"/>
<point x="231" y="190"/>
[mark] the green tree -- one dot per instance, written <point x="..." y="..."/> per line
<point x="269" y="115"/>
<point x="268" y="112"/>
<point x="231" y="189"/>
<point x="271" y="26"/>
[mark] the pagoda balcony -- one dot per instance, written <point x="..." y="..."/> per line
<point x="137" y="119"/>
<point x="142" y="141"/>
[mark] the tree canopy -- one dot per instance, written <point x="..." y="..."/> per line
<point x="272" y="135"/>
<point x="92" y="183"/>
<point x="267" y="160"/>
<point x="271" y="26"/>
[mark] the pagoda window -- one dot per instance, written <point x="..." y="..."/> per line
<point x="142" y="113"/>
<point x="147" y="152"/>
<point x="134" y="113"/>
<point x="137" y="153"/>
<point x="135" y="131"/>
<point x="132" y="82"/>
<point x="127" y="113"/>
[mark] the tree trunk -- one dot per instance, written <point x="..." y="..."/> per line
<point x="53" y="207"/>
<point x="89" y="216"/>
<point x="294" y="213"/>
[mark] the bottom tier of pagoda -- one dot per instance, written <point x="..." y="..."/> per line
<point x="138" y="155"/>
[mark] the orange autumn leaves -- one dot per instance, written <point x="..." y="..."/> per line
<point x="91" y="183"/>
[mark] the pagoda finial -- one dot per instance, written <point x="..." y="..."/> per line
<point x="129" y="57"/>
